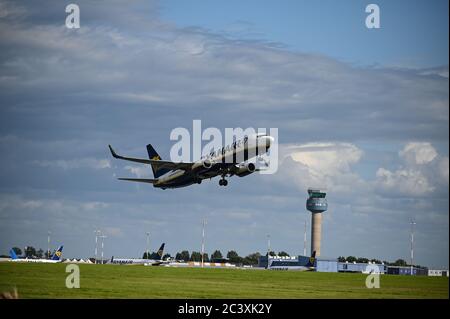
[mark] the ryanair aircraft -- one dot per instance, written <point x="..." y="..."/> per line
<point x="226" y="161"/>
<point x="137" y="261"/>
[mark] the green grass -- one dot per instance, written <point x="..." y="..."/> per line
<point x="119" y="281"/>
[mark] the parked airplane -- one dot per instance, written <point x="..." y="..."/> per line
<point x="56" y="257"/>
<point x="138" y="261"/>
<point x="226" y="161"/>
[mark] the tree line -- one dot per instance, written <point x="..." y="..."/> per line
<point x="232" y="256"/>
<point x="31" y="252"/>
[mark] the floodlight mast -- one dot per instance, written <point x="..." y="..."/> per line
<point x="204" y="222"/>
<point x="48" y="244"/>
<point x="148" y="243"/>
<point x="96" y="232"/>
<point x="102" y="237"/>
<point x="413" y="223"/>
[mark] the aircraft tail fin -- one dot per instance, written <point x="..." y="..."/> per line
<point x="13" y="254"/>
<point x="58" y="253"/>
<point x="161" y="251"/>
<point x="153" y="155"/>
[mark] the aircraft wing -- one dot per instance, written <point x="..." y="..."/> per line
<point x="141" y="180"/>
<point x="158" y="164"/>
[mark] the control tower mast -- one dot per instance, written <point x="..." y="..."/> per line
<point x="316" y="204"/>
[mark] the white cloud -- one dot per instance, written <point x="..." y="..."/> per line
<point x="326" y="165"/>
<point x="422" y="173"/>
<point x="139" y="171"/>
<point x="418" y="153"/>
<point x="92" y="163"/>
<point x="409" y="182"/>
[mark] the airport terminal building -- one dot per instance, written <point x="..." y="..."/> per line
<point x="332" y="265"/>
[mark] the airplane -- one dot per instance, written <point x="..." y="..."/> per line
<point x="304" y="263"/>
<point x="223" y="162"/>
<point x="56" y="257"/>
<point x="141" y="261"/>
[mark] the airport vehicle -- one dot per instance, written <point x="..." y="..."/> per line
<point x="55" y="258"/>
<point x="226" y="161"/>
<point x="141" y="261"/>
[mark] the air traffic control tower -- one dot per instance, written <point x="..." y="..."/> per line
<point x="316" y="204"/>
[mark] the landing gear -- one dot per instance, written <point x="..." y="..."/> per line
<point x="223" y="182"/>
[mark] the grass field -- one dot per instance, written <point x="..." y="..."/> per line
<point x="117" y="281"/>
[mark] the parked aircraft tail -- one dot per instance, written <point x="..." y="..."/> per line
<point x="312" y="259"/>
<point x="161" y="251"/>
<point x="58" y="253"/>
<point x="13" y="254"/>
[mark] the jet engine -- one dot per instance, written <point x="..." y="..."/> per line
<point x="245" y="169"/>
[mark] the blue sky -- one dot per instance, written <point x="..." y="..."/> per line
<point x="361" y="112"/>
<point x="411" y="33"/>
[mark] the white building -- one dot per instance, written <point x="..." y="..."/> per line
<point x="438" y="272"/>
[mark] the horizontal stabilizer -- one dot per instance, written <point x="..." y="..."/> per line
<point x="141" y="180"/>
<point x="157" y="164"/>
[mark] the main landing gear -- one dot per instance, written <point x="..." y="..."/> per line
<point x="223" y="181"/>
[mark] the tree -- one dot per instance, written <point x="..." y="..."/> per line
<point x="234" y="257"/>
<point x="283" y="254"/>
<point x="205" y="257"/>
<point x="362" y="260"/>
<point x="166" y="256"/>
<point x="196" y="256"/>
<point x="17" y="250"/>
<point x="216" y="255"/>
<point x="375" y="261"/>
<point x="272" y="253"/>
<point x="39" y="253"/>
<point x="252" y="259"/>
<point x="184" y="255"/>
<point x="400" y="262"/>
<point x="341" y="259"/>
<point x="29" y="252"/>
<point x="351" y="259"/>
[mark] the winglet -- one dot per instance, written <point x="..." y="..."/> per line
<point x="112" y="152"/>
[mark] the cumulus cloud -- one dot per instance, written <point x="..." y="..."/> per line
<point x="327" y="165"/>
<point x="423" y="170"/>
<point x="418" y="153"/>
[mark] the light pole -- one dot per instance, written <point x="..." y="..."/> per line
<point x="48" y="244"/>
<point x="203" y="240"/>
<point x="268" y="250"/>
<point x="102" y="237"/>
<point x="96" y="232"/>
<point x="304" y="241"/>
<point x="412" y="245"/>
<point x="148" y="241"/>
